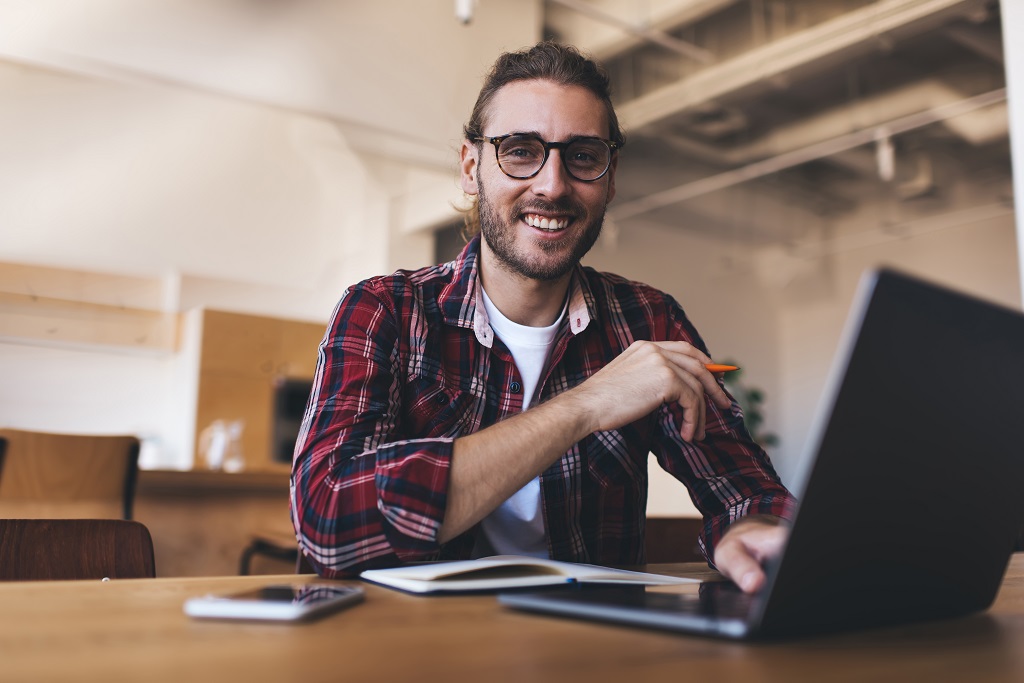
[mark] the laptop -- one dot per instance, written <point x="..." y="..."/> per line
<point x="911" y="491"/>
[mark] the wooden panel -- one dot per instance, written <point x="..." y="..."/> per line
<point x="202" y="521"/>
<point x="76" y="323"/>
<point x="62" y="306"/>
<point x="108" y="289"/>
<point x="242" y="360"/>
<point x="237" y="397"/>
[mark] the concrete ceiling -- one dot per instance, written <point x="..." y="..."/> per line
<point x="766" y="120"/>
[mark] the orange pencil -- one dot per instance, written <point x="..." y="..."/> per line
<point x="714" y="367"/>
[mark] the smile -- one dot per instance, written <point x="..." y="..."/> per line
<point x="542" y="223"/>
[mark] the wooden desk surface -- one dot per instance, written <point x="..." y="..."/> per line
<point x="134" y="630"/>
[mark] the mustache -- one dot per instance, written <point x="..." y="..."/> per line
<point x="562" y="206"/>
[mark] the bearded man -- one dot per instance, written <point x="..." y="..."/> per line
<point x="506" y="402"/>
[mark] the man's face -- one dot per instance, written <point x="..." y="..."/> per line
<point x="542" y="226"/>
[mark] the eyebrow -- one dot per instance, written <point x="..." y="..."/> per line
<point x="572" y="136"/>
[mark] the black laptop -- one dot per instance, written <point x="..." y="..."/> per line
<point x="912" y="487"/>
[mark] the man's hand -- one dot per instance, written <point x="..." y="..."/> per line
<point x="746" y="545"/>
<point x="643" y="378"/>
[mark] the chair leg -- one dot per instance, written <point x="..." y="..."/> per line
<point x="261" y="547"/>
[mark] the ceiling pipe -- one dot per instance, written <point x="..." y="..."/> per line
<point x="797" y="157"/>
<point x="978" y="127"/>
<point x="652" y="35"/>
<point x="811" y="50"/>
<point x="661" y="16"/>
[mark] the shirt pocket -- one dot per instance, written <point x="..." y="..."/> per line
<point x="434" y="408"/>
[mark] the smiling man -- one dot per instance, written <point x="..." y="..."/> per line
<point x="506" y="402"/>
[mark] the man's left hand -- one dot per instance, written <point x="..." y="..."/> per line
<point x="746" y="545"/>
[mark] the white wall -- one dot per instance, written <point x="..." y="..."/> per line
<point x="978" y="257"/>
<point x="75" y="390"/>
<point x="256" y="157"/>
<point x="1012" y="16"/>
<point x="780" y="313"/>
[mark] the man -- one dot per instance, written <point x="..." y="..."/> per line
<point x="507" y="401"/>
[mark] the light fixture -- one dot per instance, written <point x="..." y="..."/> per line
<point x="464" y="10"/>
<point x="885" y="155"/>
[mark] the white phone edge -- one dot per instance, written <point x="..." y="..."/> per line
<point x="223" y="606"/>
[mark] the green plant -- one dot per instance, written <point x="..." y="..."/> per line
<point x="750" y="400"/>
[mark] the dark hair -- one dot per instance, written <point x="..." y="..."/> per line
<point x="551" y="61"/>
<point x="548" y="60"/>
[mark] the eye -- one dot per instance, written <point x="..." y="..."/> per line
<point x="584" y="156"/>
<point x="587" y="153"/>
<point x="521" y="149"/>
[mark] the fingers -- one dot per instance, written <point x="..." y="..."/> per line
<point x="743" y="549"/>
<point x="696" y="381"/>
<point x="649" y="374"/>
<point x="693" y="361"/>
<point x="734" y="561"/>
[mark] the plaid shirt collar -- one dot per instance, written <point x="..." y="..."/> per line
<point x="461" y="300"/>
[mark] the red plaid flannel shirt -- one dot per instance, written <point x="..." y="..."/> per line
<point x="409" y="363"/>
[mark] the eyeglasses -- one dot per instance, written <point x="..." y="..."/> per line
<point x="521" y="156"/>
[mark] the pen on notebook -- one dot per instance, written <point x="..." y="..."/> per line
<point x="715" y="367"/>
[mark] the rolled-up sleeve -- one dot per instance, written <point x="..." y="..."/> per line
<point x="363" y="496"/>
<point x="728" y="474"/>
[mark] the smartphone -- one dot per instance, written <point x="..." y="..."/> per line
<point x="279" y="602"/>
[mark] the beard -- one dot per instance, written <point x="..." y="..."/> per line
<point x="500" y="234"/>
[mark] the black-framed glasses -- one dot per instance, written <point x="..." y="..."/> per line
<point x="522" y="155"/>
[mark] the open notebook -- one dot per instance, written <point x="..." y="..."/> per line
<point x="911" y="492"/>
<point x="502" y="572"/>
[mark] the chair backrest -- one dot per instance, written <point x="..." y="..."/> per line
<point x="68" y="549"/>
<point x="67" y="475"/>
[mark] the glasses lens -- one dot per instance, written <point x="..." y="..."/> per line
<point x="587" y="158"/>
<point x="520" y="156"/>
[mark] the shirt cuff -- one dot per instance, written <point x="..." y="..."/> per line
<point x="411" y="479"/>
<point x="780" y="505"/>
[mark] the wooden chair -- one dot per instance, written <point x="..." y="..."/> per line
<point x="278" y="545"/>
<point x="45" y="475"/>
<point x="68" y="549"/>
<point x="673" y="539"/>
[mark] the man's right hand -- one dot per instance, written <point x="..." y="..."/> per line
<point x="643" y="378"/>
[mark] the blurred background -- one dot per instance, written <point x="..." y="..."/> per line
<point x="187" y="187"/>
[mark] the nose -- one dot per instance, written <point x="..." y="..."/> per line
<point x="552" y="180"/>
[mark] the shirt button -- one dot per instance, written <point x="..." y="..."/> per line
<point x="440" y="399"/>
<point x="515" y="387"/>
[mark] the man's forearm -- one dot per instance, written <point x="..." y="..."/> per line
<point x="489" y="466"/>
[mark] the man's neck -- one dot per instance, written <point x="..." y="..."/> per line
<point x="523" y="300"/>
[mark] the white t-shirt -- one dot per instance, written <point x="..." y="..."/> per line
<point x="516" y="527"/>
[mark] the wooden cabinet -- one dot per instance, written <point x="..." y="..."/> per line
<point x="202" y="521"/>
<point x="243" y="360"/>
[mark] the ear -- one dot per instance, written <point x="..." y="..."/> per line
<point x="469" y="166"/>
<point x="611" y="177"/>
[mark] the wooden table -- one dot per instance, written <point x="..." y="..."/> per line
<point x="134" y="630"/>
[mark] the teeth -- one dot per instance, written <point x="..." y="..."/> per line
<point x="550" y="224"/>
